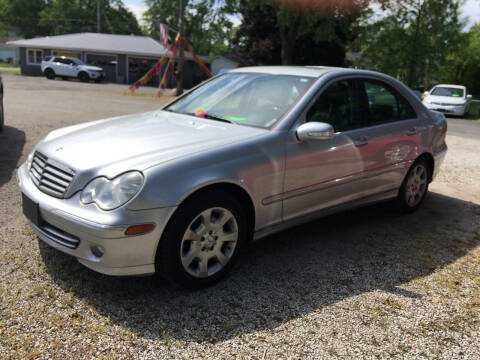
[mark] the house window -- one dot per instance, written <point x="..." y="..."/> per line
<point x="34" y="57"/>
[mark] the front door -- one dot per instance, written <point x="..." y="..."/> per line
<point x="60" y="66"/>
<point x="322" y="173"/>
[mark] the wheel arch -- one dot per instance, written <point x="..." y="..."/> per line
<point x="431" y="163"/>
<point x="229" y="187"/>
<point x="226" y="186"/>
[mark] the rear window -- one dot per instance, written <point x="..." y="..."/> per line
<point x="47" y="58"/>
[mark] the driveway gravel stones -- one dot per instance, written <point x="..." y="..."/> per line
<point x="367" y="283"/>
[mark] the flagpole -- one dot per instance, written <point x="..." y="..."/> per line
<point x="181" y="48"/>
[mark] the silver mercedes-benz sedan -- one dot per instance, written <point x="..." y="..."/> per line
<point x="181" y="190"/>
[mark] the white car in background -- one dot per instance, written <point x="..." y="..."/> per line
<point x="66" y="67"/>
<point x="448" y="99"/>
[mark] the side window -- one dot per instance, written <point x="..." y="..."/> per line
<point x="406" y="110"/>
<point x="382" y="104"/>
<point x="385" y="104"/>
<point x="339" y="106"/>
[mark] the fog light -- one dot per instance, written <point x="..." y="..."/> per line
<point x="139" y="229"/>
<point x="97" y="251"/>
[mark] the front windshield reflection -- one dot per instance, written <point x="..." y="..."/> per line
<point x="245" y="98"/>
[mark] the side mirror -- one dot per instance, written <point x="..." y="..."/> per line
<point x="469" y="97"/>
<point x="425" y="94"/>
<point x="315" y="131"/>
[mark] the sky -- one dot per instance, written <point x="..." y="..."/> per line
<point x="470" y="10"/>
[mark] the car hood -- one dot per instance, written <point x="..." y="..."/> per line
<point x="136" y="142"/>
<point x="92" y="68"/>
<point x="446" y="99"/>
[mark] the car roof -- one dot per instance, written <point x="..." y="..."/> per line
<point x="310" y="71"/>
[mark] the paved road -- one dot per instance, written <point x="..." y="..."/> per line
<point x="464" y="128"/>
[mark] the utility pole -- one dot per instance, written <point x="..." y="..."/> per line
<point x="427" y="76"/>
<point x="98" y="17"/>
<point x="181" y="48"/>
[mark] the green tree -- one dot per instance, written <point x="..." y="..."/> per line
<point x="208" y="26"/>
<point x="463" y="64"/>
<point x="282" y="32"/>
<point x="71" y="16"/>
<point x="22" y="15"/>
<point x="412" y="41"/>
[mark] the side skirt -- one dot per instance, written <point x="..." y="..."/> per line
<point x="384" y="196"/>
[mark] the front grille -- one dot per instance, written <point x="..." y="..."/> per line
<point x="60" y="237"/>
<point x="49" y="176"/>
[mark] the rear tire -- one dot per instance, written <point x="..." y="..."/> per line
<point x="415" y="186"/>
<point x="50" y="74"/>
<point x="83" y="77"/>
<point x="202" y="241"/>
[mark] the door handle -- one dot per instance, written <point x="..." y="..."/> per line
<point x="411" y="132"/>
<point x="361" y="141"/>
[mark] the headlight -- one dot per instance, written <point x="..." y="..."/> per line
<point x="111" y="194"/>
<point x="30" y="159"/>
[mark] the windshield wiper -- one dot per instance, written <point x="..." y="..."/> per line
<point x="207" y="116"/>
<point x="217" y="118"/>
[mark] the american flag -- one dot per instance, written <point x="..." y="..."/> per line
<point x="162" y="33"/>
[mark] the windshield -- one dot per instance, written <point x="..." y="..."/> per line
<point x="448" y="91"/>
<point x="251" y="99"/>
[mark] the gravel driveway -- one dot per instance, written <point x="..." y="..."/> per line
<point x="367" y="283"/>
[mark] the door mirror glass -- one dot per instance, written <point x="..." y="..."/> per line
<point x="315" y="131"/>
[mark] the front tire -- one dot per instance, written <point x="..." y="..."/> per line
<point x="83" y="77"/>
<point x="415" y="186"/>
<point x="50" y="74"/>
<point x="202" y="241"/>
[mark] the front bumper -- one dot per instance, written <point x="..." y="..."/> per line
<point x="123" y="255"/>
<point x="97" y="75"/>
<point x="458" y="110"/>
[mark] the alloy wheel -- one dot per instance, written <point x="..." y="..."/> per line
<point x="416" y="185"/>
<point x="209" y="242"/>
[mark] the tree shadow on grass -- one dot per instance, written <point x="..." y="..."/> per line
<point x="287" y="275"/>
<point x="12" y="141"/>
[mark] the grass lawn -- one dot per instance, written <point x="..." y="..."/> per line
<point x="10" y="72"/>
<point x="2" y="64"/>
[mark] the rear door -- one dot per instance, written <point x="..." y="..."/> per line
<point x="387" y="139"/>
